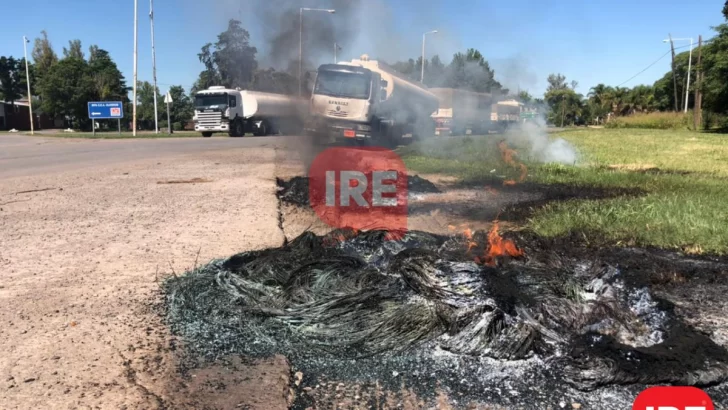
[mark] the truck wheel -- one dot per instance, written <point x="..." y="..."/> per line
<point x="262" y="130"/>
<point x="237" y="129"/>
<point x="207" y="134"/>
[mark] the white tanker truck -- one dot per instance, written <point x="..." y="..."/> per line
<point x="237" y="112"/>
<point x="366" y="101"/>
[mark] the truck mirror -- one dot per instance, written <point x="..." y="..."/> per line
<point x="383" y="95"/>
<point x="384" y="83"/>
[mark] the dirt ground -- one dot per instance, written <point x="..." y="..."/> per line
<point x="80" y="261"/>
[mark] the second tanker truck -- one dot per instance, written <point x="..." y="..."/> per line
<point x="237" y="112"/>
<point x="367" y="102"/>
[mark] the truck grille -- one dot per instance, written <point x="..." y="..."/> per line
<point x="209" y="119"/>
<point x="334" y="113"/>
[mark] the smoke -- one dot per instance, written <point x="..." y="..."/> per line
<point x="542" y="148"/>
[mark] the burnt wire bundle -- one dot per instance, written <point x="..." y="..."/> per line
<point x="351" y="296"/>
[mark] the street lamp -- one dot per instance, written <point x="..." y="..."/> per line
<point x="300" y="42"/>
<point x="690" y="62"/>
<point x="27" y="80"/>
<point x="422" y="76"/>
<point x="336" y="48"/>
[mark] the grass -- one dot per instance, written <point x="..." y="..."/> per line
<point x="654" y="120"/>
<point x="684" y="176"/>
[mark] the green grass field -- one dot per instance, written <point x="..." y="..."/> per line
<point x="684" y="176"/>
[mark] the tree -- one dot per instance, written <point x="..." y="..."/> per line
<point x="435" y="72"/>
<point x="232" y="63"/>
<point x="73" y="50"/>
<point x="556" y="82"/>
<point x="66" y="89"/>
<point x="525" y="97"/>
<point x="145" y="104"/>
<point x="272" y="81"/>
<point x="470" y="71"/>
<point x="43" y="55"/>
<point x="566" y="106"/>
<point x="725" y="10"/>
<point x="12" y="79"/>
<point x="108" y="82"/>
<point x="180" y="111"/>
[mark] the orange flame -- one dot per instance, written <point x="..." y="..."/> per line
<point x="499" y="246"/>
<point x="508" y="153"/>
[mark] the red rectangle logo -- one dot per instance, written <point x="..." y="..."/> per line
<point x="349" y="133"/>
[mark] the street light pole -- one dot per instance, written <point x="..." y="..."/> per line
<point x="422" y="76"/>
<point x="154" y="66"/>
<point x="300" y="43"/>
<point x="134" y="101"/>
<point x="687" y="85"/>
<point x="27" y="80"/>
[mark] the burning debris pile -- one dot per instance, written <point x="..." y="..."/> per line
<point x="360" y="306"/>
<point x="296" y="190"/>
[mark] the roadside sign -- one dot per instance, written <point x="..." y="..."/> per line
<point x="168" y="98"/>
<point x="105" y="110"/>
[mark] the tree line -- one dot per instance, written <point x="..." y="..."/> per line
<point x="567" y="107"/>
<point x="62" y="86"/>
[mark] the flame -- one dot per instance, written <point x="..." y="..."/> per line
<point x="499" y="246"/>
<point x="507" y="154"/>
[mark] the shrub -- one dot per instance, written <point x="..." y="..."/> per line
<point x="654" y="120"/>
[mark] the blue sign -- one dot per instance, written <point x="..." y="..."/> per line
<point x="105" y="110"/>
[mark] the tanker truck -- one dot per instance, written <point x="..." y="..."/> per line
<point x="462" y="112"/>
<point x="366" y="102"/>
<point x="237" y="112"/>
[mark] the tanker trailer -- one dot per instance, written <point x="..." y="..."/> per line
<point x="368" y="102"/>
<point x="462" y="112"/>
<point x="238" y="112"/>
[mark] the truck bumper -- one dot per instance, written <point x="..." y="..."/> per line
<point x="339" y="130"/>
<point x="224" y="127"/>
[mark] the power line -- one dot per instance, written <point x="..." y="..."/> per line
<point x="653" y="63"/>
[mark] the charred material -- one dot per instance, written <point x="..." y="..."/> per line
<point x="359" y="297"/>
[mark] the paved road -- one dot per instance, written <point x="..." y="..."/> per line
<point x="22" y="155"/>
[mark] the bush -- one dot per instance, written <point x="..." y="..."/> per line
<point x="654" y="120"/>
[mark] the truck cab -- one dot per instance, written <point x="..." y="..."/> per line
<point x="219" y="109"/>
<point x="344" y="99"/>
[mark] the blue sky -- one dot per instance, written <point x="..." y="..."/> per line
<point x="588" y="41"/>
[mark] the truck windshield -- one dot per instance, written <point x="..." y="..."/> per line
<point x="340" y="84"/>
<point x="203" y="101"/>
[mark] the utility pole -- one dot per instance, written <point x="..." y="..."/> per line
<point x="698" y="108"/>
<point x="27" y="80"/>
<point x="134" y="101"/>
<point x="687" y="82"/>
<point x="674" y="78"/>
<point x="154" y="67"/>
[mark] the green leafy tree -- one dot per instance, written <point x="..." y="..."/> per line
<point x="180" y="111"/>
<point x="470" y="71"/>
<point x="525" y="97"/>
<point x="13" y="83"/>
<point x="725" y="10"/>
<point x="74" y="50"/>
<point x="566" y="106"/>
<point x="230" y="61"/>
<point x="108" y="82"/>
<point x="435" y="72"/>
<point x="272" y="81"/>
<point x="43" y="56"/>
<point x="66" y="89"/>
<point x="145" y="105"/>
